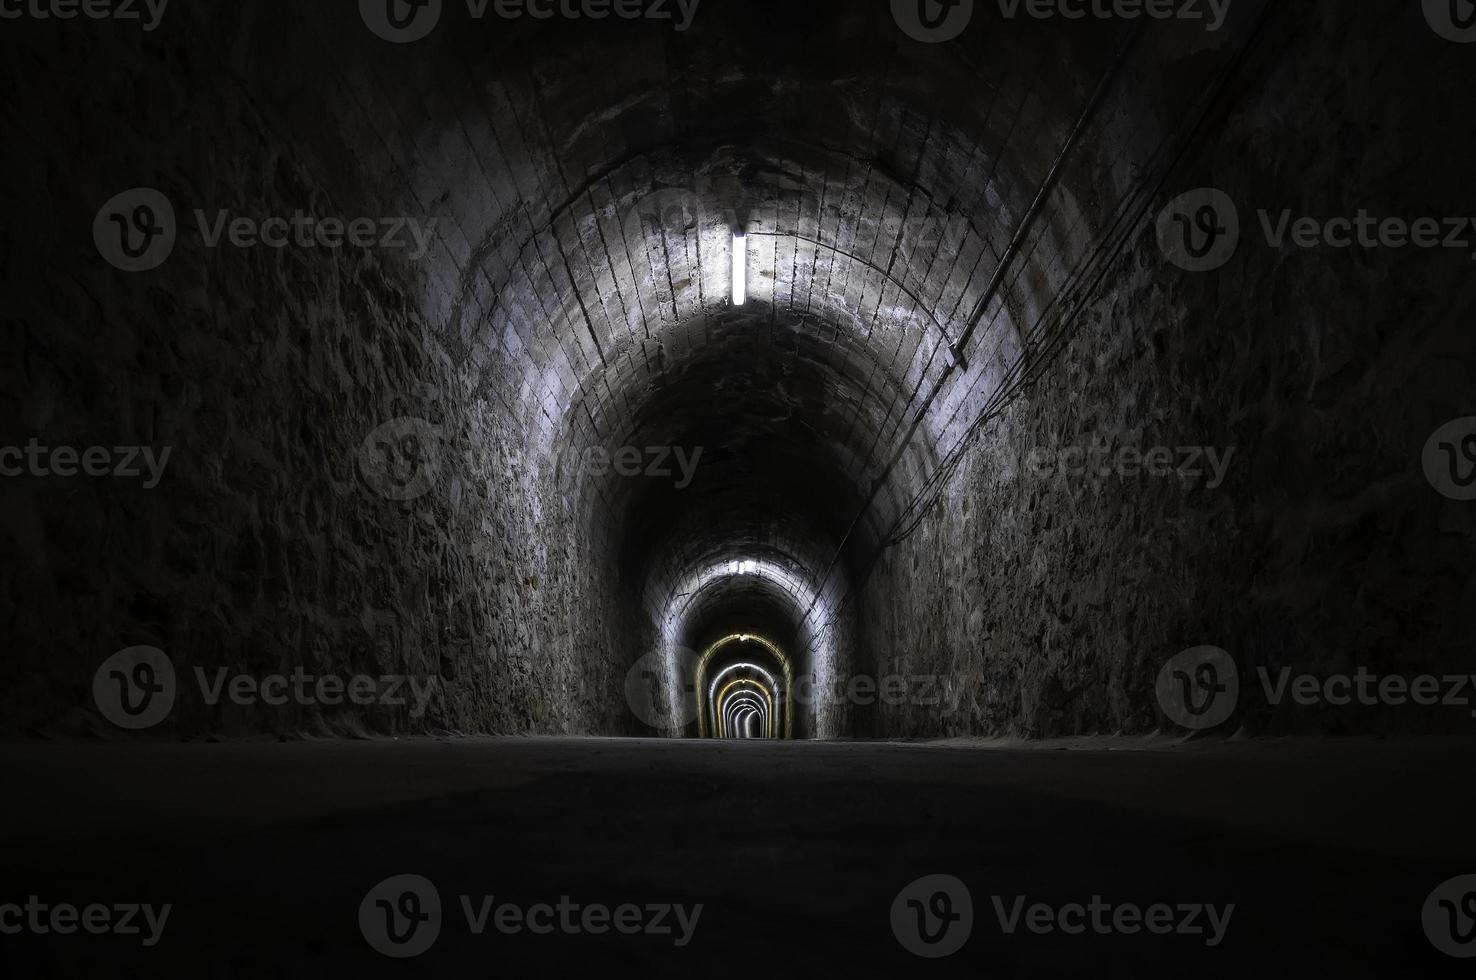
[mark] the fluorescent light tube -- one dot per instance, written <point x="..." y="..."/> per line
<point x="740" y="268"/>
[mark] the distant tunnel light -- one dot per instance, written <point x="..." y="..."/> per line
<point x="740" y="268"/>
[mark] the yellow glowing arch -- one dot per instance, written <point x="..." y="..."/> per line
<point x="706" y="724"/>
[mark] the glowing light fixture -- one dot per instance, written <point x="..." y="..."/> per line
<point x="740" y="268"/>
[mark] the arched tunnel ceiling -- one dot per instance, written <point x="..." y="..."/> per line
<point x="789" y="129"/>
<point x="780" y="425"/>
<point x="587" y="177"/>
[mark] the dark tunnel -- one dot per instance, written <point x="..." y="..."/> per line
<point x="824" y="470"/>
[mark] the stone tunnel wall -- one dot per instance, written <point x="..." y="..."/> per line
<point x="1053" y="602"/>
<point x="265" y="547"/>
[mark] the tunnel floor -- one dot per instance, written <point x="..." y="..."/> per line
<point x="1326" y="849"/>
